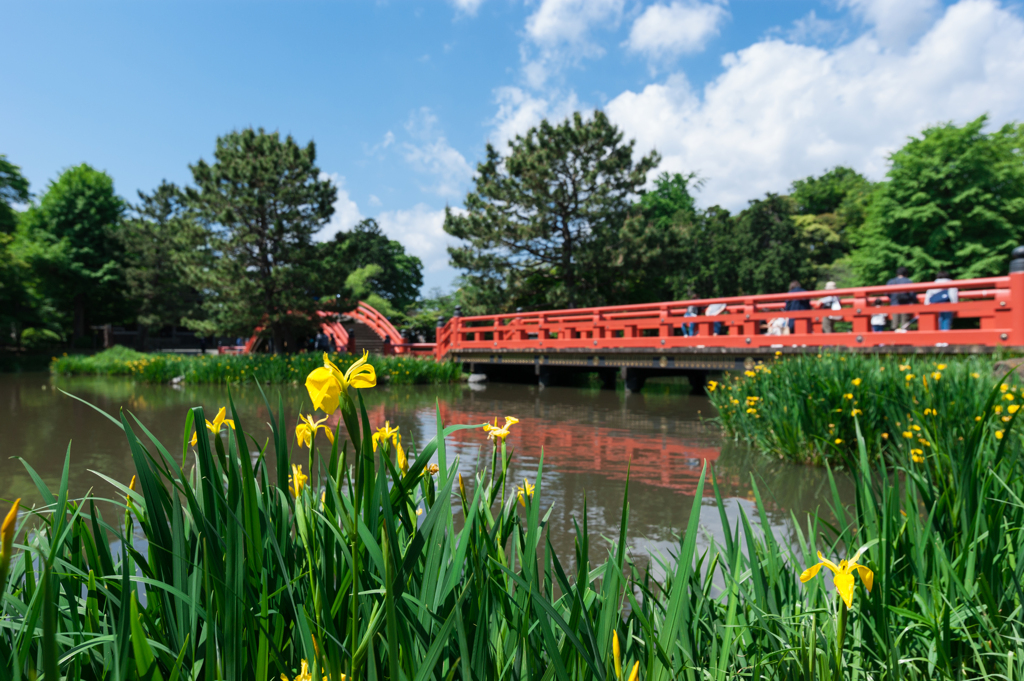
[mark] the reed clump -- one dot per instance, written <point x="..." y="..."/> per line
<point x="237" y="560"/>
<point x="805" y="408"/>
<point x="236" y="369"/>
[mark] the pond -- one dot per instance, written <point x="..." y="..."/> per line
<point x="588" y="439"/>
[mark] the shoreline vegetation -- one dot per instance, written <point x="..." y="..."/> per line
<point x="257" y="565"/>
<point x="807" y="408"/>
<point x="233" y="369"/>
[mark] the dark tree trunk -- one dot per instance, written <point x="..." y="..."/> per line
<point x="79" y="317"/>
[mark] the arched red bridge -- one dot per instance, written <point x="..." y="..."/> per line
<point x="361" y="328"/>
<point x="640" y="341"/>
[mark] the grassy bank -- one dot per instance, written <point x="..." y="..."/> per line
<point x="362" y="572"/>
<point x="806" y="408"/>
<point x="224" y="369"/>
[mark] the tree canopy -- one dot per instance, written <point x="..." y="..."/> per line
<point x="265" y="198"/>
<point x="13" y="189"/>
<point x="954" y="201"/>
<point x="166" y="250"/>
<point x="397" y="278"/>
<point x="540" y="223"/>
<point x="72" y="236"/>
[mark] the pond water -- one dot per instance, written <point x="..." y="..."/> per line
<point x="588" y="437"/>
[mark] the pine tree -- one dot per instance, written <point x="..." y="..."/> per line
<point x="265" y="198"/>
<point x="541" y="222"/>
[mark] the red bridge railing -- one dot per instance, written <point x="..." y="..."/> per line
<point x="992" y="309"/>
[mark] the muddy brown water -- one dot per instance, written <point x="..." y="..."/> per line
<point x="588" y="437"/>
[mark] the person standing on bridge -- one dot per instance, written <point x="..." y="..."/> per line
<point x="936" y="296"/>
<point x="901" y="320"/>
<point x="690" y="329"/>
<point x="830" y="303"/>
<point x="796" y="304"/>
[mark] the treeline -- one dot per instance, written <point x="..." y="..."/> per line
<point x="567" y="217"/>
<point x="563" y="220"/>
<point x="231" y="252"/>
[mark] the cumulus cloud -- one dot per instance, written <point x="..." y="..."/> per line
<point x="518" y="111"/>
<point x="895" y="23"/>
<point x="346" y="212"/>
<point x="670" y="30"/>
<point x="468" y="7"/>
<point x="812" y="29"/>
<point x="421" y="230"/>
<point x="559" y="34"/>
<point x="781" y="111"/>
<point x="431" y="154"/>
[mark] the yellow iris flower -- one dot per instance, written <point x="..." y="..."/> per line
<point x="297" y="481"/>
<point x="7" y="541"/>
<point x="388" y="433"/>
<point x="304" y="675"/>
<point x="616" y="655"/>
<point x="635" y="674"/>
<point x="218" y="423"/>
<point x="842" y="575"/>
<point x="525" y="491"/>
<point x="306" y="430"/>
<point x="326" y="384"/>
<point x="385" y="433"/>
<point x="494" y="432"/>
<point x="855" y="381"/>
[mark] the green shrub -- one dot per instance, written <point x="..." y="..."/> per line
<point x="802" y="407"/>
<point x="228" y="369"/>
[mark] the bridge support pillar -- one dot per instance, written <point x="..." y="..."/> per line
<point x="634" y="379"/>
<point x="698" y="381"/>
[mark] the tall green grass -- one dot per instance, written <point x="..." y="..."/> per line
<point x="228" y="369"/>
<point x="215" y="570"/>
<point x="805" y="408"/>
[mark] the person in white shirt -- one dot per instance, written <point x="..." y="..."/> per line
<point x="830" y="303"/>
<point x="936" y="296"/>
<point x="879" y="320"/>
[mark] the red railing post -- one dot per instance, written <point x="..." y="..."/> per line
<point x="750" y="326"/>
<point x="861" y="313"/>
<point x="1015" y="334"/>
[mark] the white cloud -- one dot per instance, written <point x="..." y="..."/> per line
<point x="518" y="111"/>
<point x="346" y="212"/>
<point x="421" y="231"/>
<point x="895" y="22"/>
<point x="782" y="111"/>
<point x="670" y="30"/>
<point x="468" y="7"/>
<point x="374" y="201"/>
<point x="433" y="155"/>
<point x="559" y="35"/>
<point x="812" y="29"/>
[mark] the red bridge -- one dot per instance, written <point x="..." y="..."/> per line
<point x="641" y="341"/>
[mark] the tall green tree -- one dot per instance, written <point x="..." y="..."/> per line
<point x="654" y="246"/>
<point x="165" y="246"/>
<point x="828" y="210"/>
<point x="266" y="199"/>
<point x="770" y="250"/>
<point x="73" y="246"/>
<point x="13" y="189"/>
<point x="398" y="276"/>
<point x="541" y="221"/>
<point x="954" y="201"/>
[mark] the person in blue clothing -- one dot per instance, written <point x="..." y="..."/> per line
<point x="901" y="321"/>
<point x="691" y="328"/>
<point x="796" y="304"/>
<point x="936" y="296"/>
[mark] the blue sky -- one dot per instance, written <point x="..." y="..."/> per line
<point x="401" y="97"/>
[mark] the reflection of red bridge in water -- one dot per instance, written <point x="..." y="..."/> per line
<point x="661" y="460"/>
